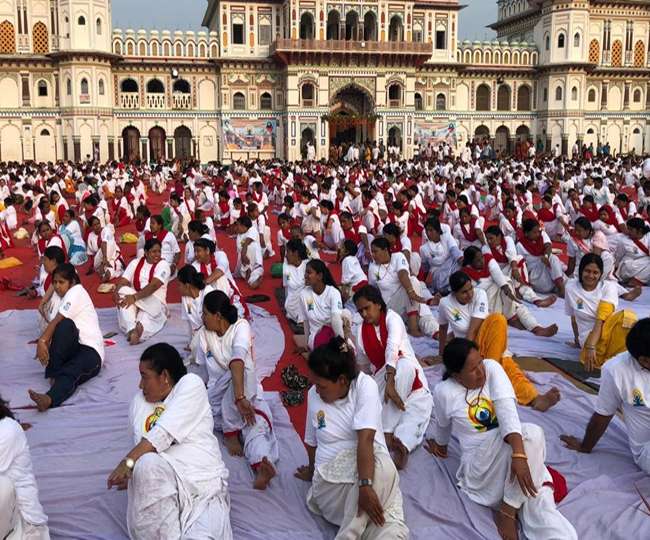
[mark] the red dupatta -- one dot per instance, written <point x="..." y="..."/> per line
<point x="590" y="213"/>
<point x="641" y="246"/>
<point x="534" y="247"/>
<point x="499" y="253"/>
<point x="546" y="214"/>
<point x="470" y="235"/>
<point x="160" y="235"/>
<point x="204" y="267"/>
<point x="374" y="346"/>
<point x="138" y="270"/>
<point x="483" y="273"/>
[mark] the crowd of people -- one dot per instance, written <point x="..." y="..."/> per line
<point x="454" y="248"/>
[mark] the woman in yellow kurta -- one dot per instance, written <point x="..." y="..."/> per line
<point x="599" y="330"/>
<point x="465" y="314"/>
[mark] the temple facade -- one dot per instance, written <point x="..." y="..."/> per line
<point x="265" y="77"/>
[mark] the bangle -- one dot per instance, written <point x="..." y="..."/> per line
<point x="519" y="456"/>
<point x="240" y="398"/>
<point x="590" y="348"/>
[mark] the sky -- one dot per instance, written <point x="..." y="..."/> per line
<point x="188" y="14"/>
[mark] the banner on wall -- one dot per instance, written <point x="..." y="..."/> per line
<point x="434" y="132"/>
<point x="249" y="134"/>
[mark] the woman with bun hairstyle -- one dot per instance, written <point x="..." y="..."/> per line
<point x="195" y="230"/>
<point x="193" y="289"/>
<point x="225" y="351"/>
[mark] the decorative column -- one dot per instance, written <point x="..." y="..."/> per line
<point x="626" y="97"/>
<point x="603" y="95"/>
<point x="565" y="145"/>
<point x="76" y="143"/>
<point x="24" y="77"/>
<point x="111" y="149"/>
<point x="144" y="148"/>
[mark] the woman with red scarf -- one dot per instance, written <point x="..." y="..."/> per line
<point x="141" y="294"/>
<point x="469" y="229"/>
<point x="545" y="272"/>
<point x="407" y="403"/>
<point x="634" y="254"/>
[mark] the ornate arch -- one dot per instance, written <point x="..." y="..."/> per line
<point x="365" y="85"/>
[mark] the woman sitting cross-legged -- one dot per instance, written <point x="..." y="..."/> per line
<point x="193" y="289"/>
<point x="465" y="314"/>
<point x="175" y="475"/>
<point x="141" y="294"/>
<point x="225" y="351"/>
<point x="21" y="513"/>
<point x="293" y="279"/>
<point x="502" y="460"/>
<point x="591" y="302"/>
<point x="633" y="254"/>
<point x="355" y="484"/>
<point x="71" y="348"/>
<point x="383" y="340"/>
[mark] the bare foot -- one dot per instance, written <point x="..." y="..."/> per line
<point x="427" y="361"/>
<point x="633" y="294"/>
<point x="233" y="444"/>
<point x="546" y="302"/>
<point x="400" y="454"/>
<point x="544" y="402"/>
<point x="263" y="475"/>
<point x="43" y="401"/>
<point x="545" y="331"/>
<point x="135" y="334"/>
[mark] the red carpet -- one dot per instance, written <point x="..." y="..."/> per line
<point x="24" y="274"/>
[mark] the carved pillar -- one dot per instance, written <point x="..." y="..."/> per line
<point x="24" y="77"/>
<point x="626" y="97"/>
<point x="76" y="143"/>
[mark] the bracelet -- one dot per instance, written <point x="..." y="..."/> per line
<point x="519" y="456"/>
<point x="240" y="398"/>
<point x="590" y="348"/>
<point x="514" y="518"/>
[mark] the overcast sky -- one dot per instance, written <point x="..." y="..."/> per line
<point x="187" y="15"/>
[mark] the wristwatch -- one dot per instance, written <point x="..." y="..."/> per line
<point x="365" y="482"/>
<point x="130" y="463"/>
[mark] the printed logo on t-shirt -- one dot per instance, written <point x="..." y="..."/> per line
<point x="310" y="305"/>
<point x="320" y="419"/>
<point x="66" y="306"/>
<point x="482" y="307"/>
<point x="481" y="414"/>
<point x="580" y="303"/>
<point x="456" y="315"/>
<point x="151" y="420"/>
<point x="637" y="398"/>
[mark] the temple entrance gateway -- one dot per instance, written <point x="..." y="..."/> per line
<point x="352" y="116"/>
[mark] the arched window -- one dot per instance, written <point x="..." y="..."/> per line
<point x="576" y="40"/>
<point x="68" y="87"/>
<point x="129" y="85"/>
<point x="238" y="101"/>
<point x="333" y="25"/>
<point x="84" y="86"/>
<point x="590" y="131"/>
<point x="266" y="101"/>
<point x="560" y="41"/>
<point x="441" y="102"/>
<point x="523" y="98"/>
<point x="637" y="96"/>
<point x="101" y="87"/>
<point x="574" y="93"/>
<point x="155" y="86"/>
<point x="395" y="29"/>
<point x="42" y="89"/>
<point x="548" y="42"/>
<point x="182" y="86"/>
<point x="307" y="94"/>
<point x="503" y="98"/>
<point x="370" y="26"/>
<point x="45" y="133"/>
<point x="306" y="26"/>
<point x="418" y="102"/>
<point x="558" y="93"/>
<point x="483" y="98"/>
<point x="351" y="26"/>
<point x="81" y="21"/>
<point x="98" y="25"/>
<point x="591" y="96"/>
<point x="394" y="95"/>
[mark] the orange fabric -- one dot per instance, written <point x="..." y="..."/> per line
<point x="492" y="341"/>
<point x="613" y="335"/>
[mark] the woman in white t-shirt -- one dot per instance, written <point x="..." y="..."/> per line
<point x="293" y="279"/>
<point x="21" y="513"/>
<point x="71" y="348"/>
<point x="502" y="460"/>
<point x="383" y="342"/>
<point x="321" y="306"/>
<point x="598" y="330"/>
<point x="141" y="294"/>
<point x="192" y="288"/>
<point x="176" y="478"/>
<point x="355" y="484"/>
<point x="390" y="273"/>
<point x="104" y="251"/>
<point x="225" y="351"/>
<point x="465" y="314"/>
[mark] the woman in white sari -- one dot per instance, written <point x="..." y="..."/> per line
<point x="440" y="256"/>
<point x="502" y="461"/>
<point x="21" y="513"/>
<point x="141" y="295"/>
<point x="193" y="288"/>
<point x="355" y="484"/>
<point x="382" y="340"/>
<point x="225" y="352"/>
<point x="175" y="475"/>
<point x="293" y="279"/>
<point x="71" y="230"/>
<point x="633" y="254"/>
<point x="104" y="251"/>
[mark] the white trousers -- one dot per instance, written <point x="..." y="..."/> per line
<point x="154" y="510"/>
<point x="149" y="312"/>
<point x="486" y="478"/>
<point x="543" y="277"/>
<point x="12" y="524"/>
<point x="338" y="504"/>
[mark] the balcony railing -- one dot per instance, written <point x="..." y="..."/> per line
<point x="339" y="45"/>
<point x="394" y="103"/>
<point x="182" y="101"/>
<point x="155" y="101"/>
<point x="130" y="100"/>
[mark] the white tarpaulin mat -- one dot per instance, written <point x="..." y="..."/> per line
<point x="75" y="447"/>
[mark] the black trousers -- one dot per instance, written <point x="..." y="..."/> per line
<point x="71" y="363"/>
